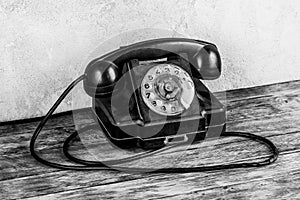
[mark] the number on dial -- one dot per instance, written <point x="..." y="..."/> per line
<point x="154" y="103"/>
<point x="147" y="86"/>
<point x="148" y="95"/>
<point x="150" y="77"/>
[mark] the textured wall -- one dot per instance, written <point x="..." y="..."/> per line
<point x="44" y="44"/>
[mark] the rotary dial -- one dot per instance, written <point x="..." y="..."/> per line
<point x="167" y="89"/>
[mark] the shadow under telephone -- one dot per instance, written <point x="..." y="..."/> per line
<point x="149" y="95"/>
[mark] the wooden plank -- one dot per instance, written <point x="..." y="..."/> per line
<point x="209" y="152"/>
<point x="283" y="186"/>
<point x="276" y="89"/>
<point x="17" y="161"/>
<point x="58" y="121"/>
<point x="281" y="179"/>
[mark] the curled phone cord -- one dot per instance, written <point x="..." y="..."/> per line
<point x="98" y="165"/>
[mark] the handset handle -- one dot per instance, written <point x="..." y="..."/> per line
<point x="203" y="56"/>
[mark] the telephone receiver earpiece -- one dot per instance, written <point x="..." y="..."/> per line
<point x="101" y="77"/>
<point x="206" y="63"/>
<point x="103" y="72"/>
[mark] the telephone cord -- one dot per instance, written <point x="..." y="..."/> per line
<point x="102" y="165"/>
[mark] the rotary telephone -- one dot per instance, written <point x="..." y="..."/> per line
<point x="149" y="95"/>
<point x="153" y="98"/>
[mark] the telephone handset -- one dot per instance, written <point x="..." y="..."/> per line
<point x="150" y="95"/>
<point x="161" y="92"/>
<point x="203" y="56"/>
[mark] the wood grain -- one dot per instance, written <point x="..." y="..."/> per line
<point x="272" y="111"/>
<point x="272" y="182"/>
<point x="18" y="153"/>
<point x="197" y="156"/>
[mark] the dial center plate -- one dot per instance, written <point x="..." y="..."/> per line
<point x="167" y="89"/>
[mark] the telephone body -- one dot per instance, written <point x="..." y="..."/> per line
<point x="149" y="94"/>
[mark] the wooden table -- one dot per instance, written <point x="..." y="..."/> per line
<point x="272" y="111"/>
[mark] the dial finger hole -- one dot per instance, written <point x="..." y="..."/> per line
<point x="150" y="77"/>
<point x="173" y="108"/>
<point x="148" y="86"/>
<point x="167" y="69"/>
<point x="158" y="71"/>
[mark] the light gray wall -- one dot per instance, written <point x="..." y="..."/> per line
<point x="44" y="44"/>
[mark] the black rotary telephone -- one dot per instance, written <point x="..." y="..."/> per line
<point x="143" y="93"/>
<point x="149" y="95"/>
